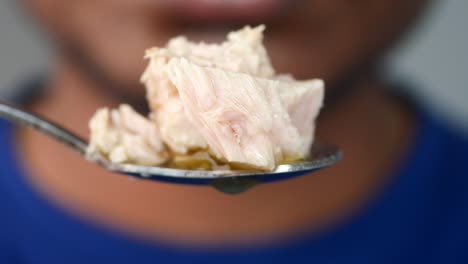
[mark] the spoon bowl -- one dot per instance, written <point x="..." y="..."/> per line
<point x="228" y="181"/>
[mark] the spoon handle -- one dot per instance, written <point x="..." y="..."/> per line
<point x="42" y="125"/>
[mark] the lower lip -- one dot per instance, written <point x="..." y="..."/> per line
<point x="225" y="10"/>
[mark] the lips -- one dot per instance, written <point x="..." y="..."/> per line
<point x="226" y="10"/>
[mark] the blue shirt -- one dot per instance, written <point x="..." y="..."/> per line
<point x="420" y="217"/>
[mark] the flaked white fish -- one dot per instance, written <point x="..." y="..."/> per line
<point x="223" y="99"/>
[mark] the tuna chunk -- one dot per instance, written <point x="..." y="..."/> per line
<point x="242" y="118"/>
<point x="126" y="137"/>
<point x="242" y="52"/>
<point x="176" y="131"/>
<point x="167" y="110"/>
<point x="303" y="101"/>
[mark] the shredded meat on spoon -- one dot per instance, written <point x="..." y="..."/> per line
<point x="213" y="104"/>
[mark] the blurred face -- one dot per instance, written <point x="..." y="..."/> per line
<point x="309" y="38"/>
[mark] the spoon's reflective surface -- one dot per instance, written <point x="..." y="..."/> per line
<point x="232" y="182"/>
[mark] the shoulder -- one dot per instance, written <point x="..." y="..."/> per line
<point x="449" y="156"/>
<point x="449" y="199"/>
<point x="6" y="165"/>
<point x="8" y="207"/>
<point x="453" y="156"/>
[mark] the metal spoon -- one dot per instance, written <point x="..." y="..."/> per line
<point x="231" y="182"/>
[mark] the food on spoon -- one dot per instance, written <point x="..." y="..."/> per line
<point x="241" y="117"/>
<point x="242" y="52"/>
<point x="213" y="105"/>
<point x="126" y="137"/>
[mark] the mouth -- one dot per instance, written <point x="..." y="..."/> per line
<point x="226" y="11"/>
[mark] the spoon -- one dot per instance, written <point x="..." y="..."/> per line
<point x="231" y="182"/>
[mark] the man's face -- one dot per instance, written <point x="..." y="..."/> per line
<point x="309" y="38"/>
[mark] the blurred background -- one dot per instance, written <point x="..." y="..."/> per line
<point x="434" y="58"/>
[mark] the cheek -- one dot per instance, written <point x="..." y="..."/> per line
<point x="48" y="13"/>
<point x="112" y="36"/>
<point x="109" y="36"/>
<point x="318" y="43"/>
<point x="331" y="38"/>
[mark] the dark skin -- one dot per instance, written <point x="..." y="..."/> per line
<point x="372" y="128"/>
